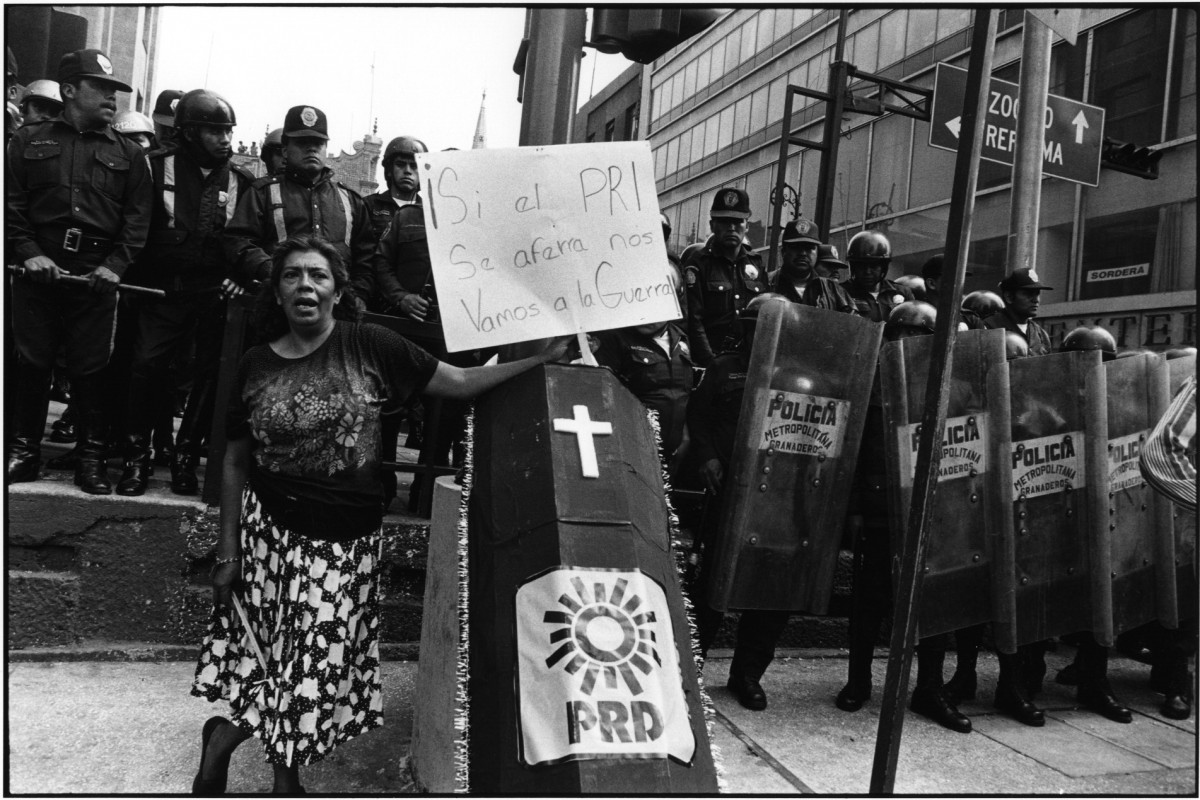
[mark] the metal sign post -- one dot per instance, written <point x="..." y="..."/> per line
<point x="937" y="396"/>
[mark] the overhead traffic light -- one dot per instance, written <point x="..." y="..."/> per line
<point x="1131" y="159"/>
<point x="644" y="34"/>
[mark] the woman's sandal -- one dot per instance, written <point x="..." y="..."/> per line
<point x="212" y="785"/>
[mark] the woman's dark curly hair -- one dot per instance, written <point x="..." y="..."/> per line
<point x="269" y="321"/>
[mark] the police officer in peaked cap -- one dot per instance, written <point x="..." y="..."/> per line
<point x="1022" y="291"/>
<point x="78" y="201"/>
<point x="164" y="115"/>
<point x="722" y="278"/>
<point x="303" y="198"/>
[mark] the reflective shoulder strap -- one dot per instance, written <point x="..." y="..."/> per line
<point x="168" y="189"/>
<point x="345" y="198"/>
<point x="277" y="212"/>
<point x="231" y="196"/>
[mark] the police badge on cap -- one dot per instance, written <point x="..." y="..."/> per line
<point x="730" y="204"/>
<point x="306" y="121"/>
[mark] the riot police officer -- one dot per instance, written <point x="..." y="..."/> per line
<point x="41" y="101"/>
<point x="302" y="199"/>
<point x="870" y="254"/>
<point x="271" y="151"/>
<point x="78" y="200"/>
<point x="137" y="127"/>
<point x="874" y="297"/>
<point x="983" y="304"/>
<point x="403" y="184"/>
<point x="195" y="193"/>
<point x="722" y="278"/>
<point x="712" y="420"/>
<point x="1022" y="295"/>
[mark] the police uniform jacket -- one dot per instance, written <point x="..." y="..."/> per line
<point x="717" y="289"/>
<point x="277" y="207"/>
<point x="877" y="307"/>
<point x="404" y="258"/>
<point x="714" y="406"/>
<point x="381" y="206"/>
<point x="1036" y="336"/>
<point x="661" y="380"/>
<point x="80" y="197"/>
<point x="185" y="249"/>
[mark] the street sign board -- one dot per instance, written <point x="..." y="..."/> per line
<point x="1074" y="130"/>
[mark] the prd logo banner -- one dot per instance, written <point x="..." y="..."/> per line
<point x="804" y="424"/>
<point x="1048" y="464"/>
<point x="597" y="668"/>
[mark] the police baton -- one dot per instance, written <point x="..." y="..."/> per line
<point x="76" y="280"/>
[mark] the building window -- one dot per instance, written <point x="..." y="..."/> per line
<point x="1183" y="81"/>
<point x="631" y="123"/>
<point x="610" y="130"/>
<point x="591" y="137"/>
<point x="1118" y="254"/>
<point x="1129" y="71"/>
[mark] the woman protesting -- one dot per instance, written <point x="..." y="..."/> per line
<point x="301" y="516"/>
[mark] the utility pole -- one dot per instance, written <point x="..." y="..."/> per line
<point x="838" y="77"/>
<point x="551" y="86"/>
<point x="1027" y="171"/>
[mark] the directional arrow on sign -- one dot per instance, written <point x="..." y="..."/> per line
<point x="1080" y="122"/>
<point x="1074" y="132"/>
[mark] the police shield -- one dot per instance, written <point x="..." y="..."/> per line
<point x="1183" y="521"/>
<point x="970" y="523"/>
<point x="1059" y="468"/>
<point x="789" y="479"/>
<point x="1140" y="548"/>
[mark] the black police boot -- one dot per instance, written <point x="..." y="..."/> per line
<point x="63" y="430"/>
<point x="135" y="476"/>
<point x="197" y="416"/>
<point x="91" y="473"/>
<point x="30" y="402"/>
<point x="964" y="683"/>
<point x="1010" y="693"/>
<point x="933" y="703"/>
<point x="183" y="472"/>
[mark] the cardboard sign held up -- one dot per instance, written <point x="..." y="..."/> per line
<point x="535" y="242"/>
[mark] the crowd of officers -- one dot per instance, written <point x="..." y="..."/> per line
<point x="97" y="200"/>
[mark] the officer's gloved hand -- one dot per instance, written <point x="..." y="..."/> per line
<point x="41" y="269"/>
<point x="103" y="280"/>
<point x="711" y="474"/>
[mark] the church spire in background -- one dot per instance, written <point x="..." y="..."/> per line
<point x="480" y="141"/>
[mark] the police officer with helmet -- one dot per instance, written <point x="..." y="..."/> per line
<point x="137" y="127"/>
<point x="403" y="184"/>
<point x="78" y="197"/>
<point x="41" y="101"/>
<point x="874" y="297"/>
<point x="722" y="278"/>
<point x="271" y="151"/>
<point x="196" y="188"/>
<point x="870" y="254"/>
<point x="302" y="199"/>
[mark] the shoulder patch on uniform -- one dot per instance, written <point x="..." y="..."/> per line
<point x="691" y="275"/>
<point x="240" y="170"/>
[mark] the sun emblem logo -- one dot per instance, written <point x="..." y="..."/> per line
<point x="731" y="199"/>
<point x="309" y="117"/>
<point x="602" y="633"/>
<point x="104" y="63"/>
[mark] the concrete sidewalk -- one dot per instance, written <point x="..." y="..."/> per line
<point x="105" y="727"/>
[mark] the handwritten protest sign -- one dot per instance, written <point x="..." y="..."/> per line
<point x="534" y="242"/>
